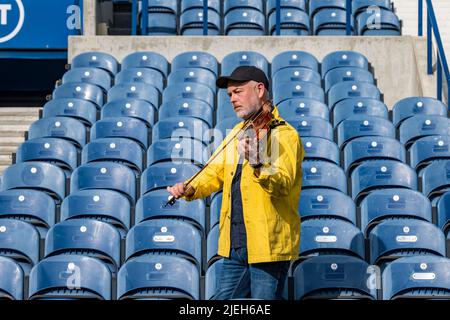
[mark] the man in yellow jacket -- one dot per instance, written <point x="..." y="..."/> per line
<point x="259" y="230"/>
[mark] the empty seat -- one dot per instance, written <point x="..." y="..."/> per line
<point x="70" y="277"/>
<point x="376" y="21"/>
<point x="212" y="245"/>
<point x="443" y="213"/>
<point x="320" y="149"/>
<point x="346" y="59"/>
<point x="224" y="106"/>
<point x="296" y="4"/>
<point x="11" y="280"/>
<point x="83" y="110"/>
<point x="395" y="238"/>
<point x="393" y="203"/>
<point x="147" y="59"/>
<point x="214" y="210"/>
<point x="288" y="59"/>
<point x="303" y="107"/>
<point x="100" y="60"/>
<point x="33" y="206"/>
<point x="298" y="89"/>
<point x="342" y="74"/>
<point x="191" y="22"/>
<point x="244" y="58"/>
<point x="330" y="236"/>
<point x="293" y="74"/>
<point x="424" y="277"/>
<point x="141" y="91"/>
<point x="360" y="126"/>
<point x="164" y="174"/>
<point x="80" y="90"/>
<point x="59" y="127"/>
<point x="412" y="106"/>
<point x="244" y="22"/>
<point x="428" y="149"/>
<point x="436" y="179"/>
<point x="323" y="174"/>
<point x="239" y="4"/>
<point x="331" y="22"/>
<point x="193" y="74"/>
<point x="195" y="59"/>
<point x="36" y="175"/>
<point x="185" y="150"/>
<point x="372" y="148"/>
<point x="334" y="277"/>
<point x="120" y="150"/>
<point x="317" y="6"/>
<point x="359" y="6"/>
<point x="105" y="175"/>
<point x="187" y="108"/>
<point x="121" y="127"/>
<point x="293" y="22"/>
<point x="96" y="76"/>
<point x="347" y="108"/>
<point x="52" y="150"/>
<point x="326" y="203"/>
<point x="420" y="126"/>
<point x="212" y="277"/>
<point x="352" y="89"/>
<point x="19" y="241"/>
<point x="152" y="205"/>
<point x="189" y="90"/>
<point x="147" y="76"/>
<point x="162" y="17"/>
<point x="158" y="277"/>
<point x="134" y="108"/>
<point x="191" y="4"/>
<point x="99" y="204"/>
<point x="312" y="127"/>
<point x="222" y="129"/>
<point x="181" y="127"/>
<point x="85" y="237"/>
<point x="379" y="174"/>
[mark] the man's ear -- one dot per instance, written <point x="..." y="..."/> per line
<point x="261" y="90"/>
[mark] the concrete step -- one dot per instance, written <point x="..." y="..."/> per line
<point x="5" y="159"/>
<point x="19" y="112"/>
<point x="18" y="119"/>
<point x="8" y="150"/>
<point x="3" y="168"/>
<point x="6" y="141"/>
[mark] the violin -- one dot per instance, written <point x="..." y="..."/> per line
<point x="260" y="123"/>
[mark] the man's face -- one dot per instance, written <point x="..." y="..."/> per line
<point x="245" y="97"/>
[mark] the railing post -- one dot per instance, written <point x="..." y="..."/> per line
<point x="348" y="24"/>
<point x="429" y="45"/>
<point x="439" y="77"/>
<point x="420" y="18"/>
<point x="205" y="17"/>
<point x="134" y="10"/>
<point x="277" y="18"/>
<point x="144" y="10"/>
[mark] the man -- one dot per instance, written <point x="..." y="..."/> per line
<point x="259" y="221"/>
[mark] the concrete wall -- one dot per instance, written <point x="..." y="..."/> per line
<point x="399" y="62"/>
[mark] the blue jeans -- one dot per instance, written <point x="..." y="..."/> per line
<point x="238" y="279"/>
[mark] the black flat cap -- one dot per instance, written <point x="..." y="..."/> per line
<point x="243" y="74"/>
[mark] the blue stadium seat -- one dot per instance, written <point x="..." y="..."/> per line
<point x="193" y="74"/>
<point x="244" y="58"/>
<point x="105" y="175"/>
<point x="239" y="4"/>
<point x="244" y="22"/>
<point x="162" y="17"/>
<point x="331" y="22"/>
<point x="214" y="210"/>
<point x="120" y="150"/>
<point x="32" y="206"/>
<point x="224" y="106"/>
<point x="184" y="150"/>
<point x="312" y="127"/>
<point x="59" y="127"/>
<point x="372" y="148"/>
<point x="294" y="74"/>
<point x="181" y="127"/>
<point x="393" y="203"/>
<point x="298" y="89"/>
<point x="428" y="149"/>
<point x="95" y="76"/>
<point x="100" y="60"/>
<point x="361" y="126"/>
<point x="295" y="4"/>
<point x="436" y="179"/>
<point x="303" y="107"/>
<point x="334" y="277"/>
<point x="152" y="206"/>
<point x="165" y="237"/>
<point x="70" y="277"/>
<point x="326" y="203"/>
<point x="189" y="90"/>
<point x="330" y="236"/>
<point x="379" y="174"/>
<point x="358" y="106"/>
<point x="134" y="108"/>
<point x="212" y="245"/>
<point x="164" y="174"/>
<point x="443" y="213"/>
<point x="423" y="277"/>
<point x="190" y="4"/>
<point x="139" y="90"/>
<point x="121" y="127"/>
<point x="147" y="59"/>
<point x="350" y="89"/>
<point x="316" y="6"/>
<point x="19" y="241"/>
<point x="359" y="6"/>
<point x="11" y="280"/>
<point x="223" y="128"/>
<point x="346" y="59"/>
<point x="343" y="74"/>
<point x="38" y="176"/>
<point x="85" y="237"/>
<point x="98" y="204"/>
<point x="323" y="174"/>
<point x="158" y="277"/>
<point x="212" y="277"/>
<point x="320" y="149"/>
<point x="52" y="150"/>
<point x="196" y="59"/>
<point x="80" y="90"/>
<point x="293" y="22"/>
<point x="191" y="22"/>
<point x="395" y="238"/>
<point x="187" y="108"/>
<point x="83" y="110"/>
<point x="412" y="106"/>
<point x="420" y="126"/>
<point x="148" y="76"/>
<point x="288" y="59"/>
<point x="378" y="22"/>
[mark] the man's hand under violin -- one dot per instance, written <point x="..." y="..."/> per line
<point x="180" y="189"/>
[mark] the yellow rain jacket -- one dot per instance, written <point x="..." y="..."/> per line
<point x="269" y="202"/>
